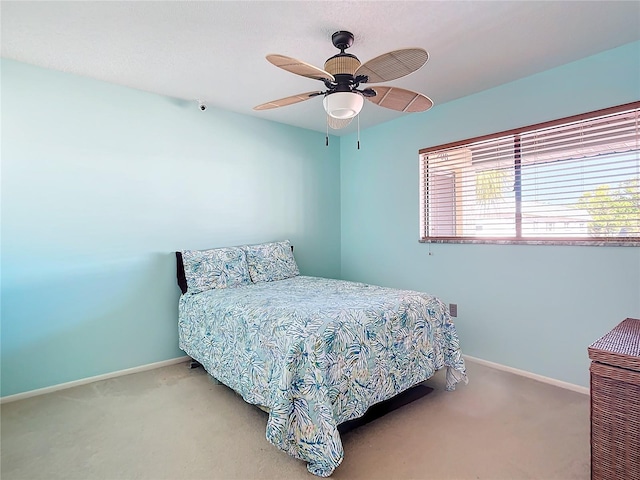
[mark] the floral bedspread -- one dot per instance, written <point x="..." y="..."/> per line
<point x="318" y="352"/>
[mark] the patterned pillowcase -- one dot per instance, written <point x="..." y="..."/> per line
<point x="271" y="261"/>
<point x="217" y="268"/>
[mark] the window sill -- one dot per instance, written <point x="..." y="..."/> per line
<point x="633" y="242"/>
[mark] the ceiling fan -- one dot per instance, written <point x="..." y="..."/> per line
<point x="342" y="75"/>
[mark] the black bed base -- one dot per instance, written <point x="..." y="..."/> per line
<point x="381" y="409"/>
<point x="194" y="364"/>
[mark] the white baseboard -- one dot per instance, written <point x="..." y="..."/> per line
<point x="541" y="378"/>
<point x="84" y="381"/>
<point x="173" y="361"/>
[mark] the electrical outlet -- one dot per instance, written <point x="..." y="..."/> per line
<point x="453" y="309"/>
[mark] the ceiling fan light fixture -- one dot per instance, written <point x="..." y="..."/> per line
<point x="343" y="105"/>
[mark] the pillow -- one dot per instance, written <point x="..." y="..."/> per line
<point x="217" y="268"/>
<point x="271" y="261"/>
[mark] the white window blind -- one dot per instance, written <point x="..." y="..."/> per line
<point x="574" y="180"/>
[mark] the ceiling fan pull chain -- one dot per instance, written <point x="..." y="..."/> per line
<point x="326" y="141"/>
<point x="358" y="132"/>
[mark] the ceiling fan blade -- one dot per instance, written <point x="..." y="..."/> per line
<point x="338" y="123"/>
<point x="392" y="65"/>
<point x="283" y="102"/>
<point x="401" y="100"/>
<point x="299" y="67"/>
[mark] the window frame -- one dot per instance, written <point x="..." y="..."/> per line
<point x="517" y="238"/>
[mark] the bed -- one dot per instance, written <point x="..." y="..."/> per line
<point x="312" y="352"/>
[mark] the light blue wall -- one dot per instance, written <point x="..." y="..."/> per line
<point x="535" y="308"/>
<point x="101" y="183"/>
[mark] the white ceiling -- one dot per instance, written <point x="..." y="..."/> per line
<point x="215" y="50"/>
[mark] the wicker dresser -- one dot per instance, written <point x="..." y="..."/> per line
<point x="615" y="403"/>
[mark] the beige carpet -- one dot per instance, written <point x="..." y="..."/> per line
<point x="175" y="423"/>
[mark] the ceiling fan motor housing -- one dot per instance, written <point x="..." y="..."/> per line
<point x="342" y="64"/>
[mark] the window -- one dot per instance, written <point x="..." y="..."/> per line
<point x="575" y="180"/>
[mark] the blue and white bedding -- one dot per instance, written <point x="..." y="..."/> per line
<point x="318" y="352"/>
